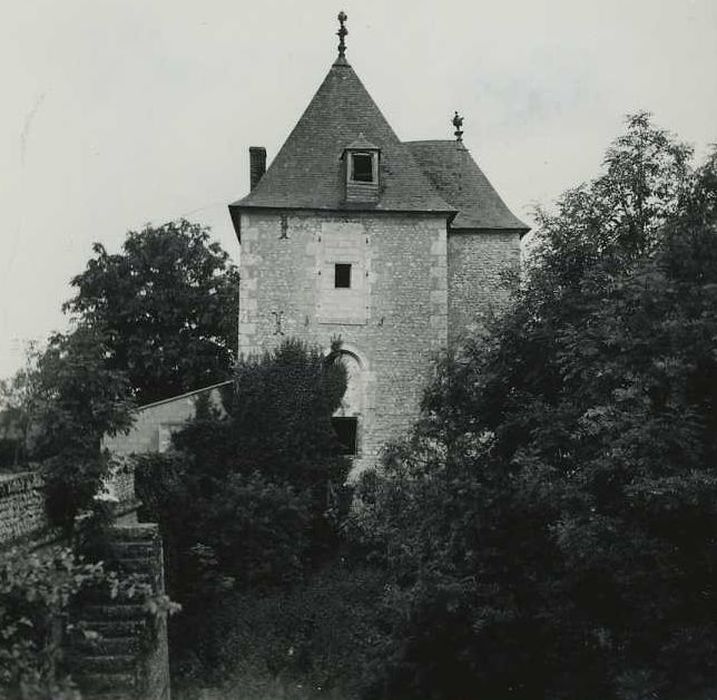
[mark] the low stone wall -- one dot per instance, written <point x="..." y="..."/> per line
<point x="22" y="507"/>
<point x="22" y="504"/>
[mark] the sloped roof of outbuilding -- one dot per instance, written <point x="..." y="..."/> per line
<point x="307" y="172"/>
<point x="458" y="179"/>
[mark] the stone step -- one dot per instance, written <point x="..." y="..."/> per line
<point x="117" y="683"/>
<point x="140" y="565"/>
<point x="100" y="595"/>
<point x="110" y="612"/>
<point x="108" y="646"/>
<point x="118" y="663"/>
<point x="124" y="550"/>
<point x="142" y="532"/>
<point x="116" y="628"/>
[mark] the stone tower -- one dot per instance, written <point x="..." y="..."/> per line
<point x="396" y="247"/>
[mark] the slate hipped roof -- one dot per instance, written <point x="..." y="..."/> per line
<point x="457" y="177"/>
<point x="308" y="172"/>
<point x="426" y="176"/>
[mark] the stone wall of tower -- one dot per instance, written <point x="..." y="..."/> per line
<point x="392" y="319"/>
<point x="476" y="260"/>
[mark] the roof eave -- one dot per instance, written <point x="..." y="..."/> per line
<point x="235" y="214"/>
<point x="464" y="228"/>
<point x="237" y="207"/>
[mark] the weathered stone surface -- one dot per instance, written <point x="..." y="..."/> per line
<point x="415" y="288"/>
<point x="22" y="506"/>
<point x="391" y="320"/>
<point x="476" y="261"/>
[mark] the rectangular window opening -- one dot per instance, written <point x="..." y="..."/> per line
<point x="345" y="429"/>
<point x="362" y="167"/>
<point x="342" y="276"/>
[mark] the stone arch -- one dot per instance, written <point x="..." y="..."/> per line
<point x="354" y="400"/>
<point x="348" y="417"/>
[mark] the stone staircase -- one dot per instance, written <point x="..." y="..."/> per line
<point x="127" y="655"/>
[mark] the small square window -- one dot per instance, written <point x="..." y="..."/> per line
<point x="345" y="429"/>
<point x="342" y="276"/>
<point x="362" y="167"/>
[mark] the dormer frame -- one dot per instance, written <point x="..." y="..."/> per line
<point x="356" y="170"/>
<point x="362" y="171"/>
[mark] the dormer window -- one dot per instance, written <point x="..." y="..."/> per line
<point x="362" y="167"/>
<point x="361" y="160"/>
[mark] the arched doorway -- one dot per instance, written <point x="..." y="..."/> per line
<point x="347" y="417"/>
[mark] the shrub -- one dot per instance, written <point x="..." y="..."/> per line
<point x="252" y="495"/>
<point x="312" y="639"/>
<point x="549" y="526"/>
<point x="35" y="594"/>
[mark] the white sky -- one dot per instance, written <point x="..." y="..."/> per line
<point x="120" y="112"/>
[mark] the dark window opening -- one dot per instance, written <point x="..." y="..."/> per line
<point x="345" y="429"/>
<point x="362" y="167"/>
<point x="342" y="276"/>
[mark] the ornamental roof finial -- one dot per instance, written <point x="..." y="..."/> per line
<point x="342" y="33"/>
<point x="458" y="123"/>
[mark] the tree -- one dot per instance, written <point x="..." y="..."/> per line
<point x="19" y="405"/>
<point x="78" y="400"/>
<point x="168" y="306"/>
<point x="62" y="403"/>
<point x="151" y="322"/>
<point x="252" y="485"/>
<point x="550" y="523"/>
<point x="249" y="499"/>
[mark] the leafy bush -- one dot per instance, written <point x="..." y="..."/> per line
<point x="35" y="594"/>
<point x="251" y="497"/>
<point x="550" y="525"/>
<point x="254" y="485"/>
<point x="309" y="640"/>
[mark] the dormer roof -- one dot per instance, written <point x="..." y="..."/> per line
<point x="308" y="173"/>
<point x="362" y="144"/>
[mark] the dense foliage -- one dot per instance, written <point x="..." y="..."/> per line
<point x="308" y="641"/>
<point x="153" y="321"/>
<point x="550" y="526"/>
<point x="250" y="496"/>
<point x="35" y="595"/>
<point x="59" y="406"/>
<point x="168" y="306"/>
<point x="80" y="401"/>
<point x="20" y="403"/>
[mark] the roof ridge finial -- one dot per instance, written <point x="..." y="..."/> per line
<point x="342" y="34"/>
<point x="458" y="123"/>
